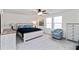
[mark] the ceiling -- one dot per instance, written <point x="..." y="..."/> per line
<point x="33" y="11"/>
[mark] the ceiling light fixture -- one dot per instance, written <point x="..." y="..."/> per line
<point x="40" y="13"/>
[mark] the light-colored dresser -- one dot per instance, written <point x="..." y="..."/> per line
<point x="73" y="31"/>
<point x="8" y="40"/>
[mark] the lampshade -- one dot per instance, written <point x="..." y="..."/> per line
<point x="34" y="22"/>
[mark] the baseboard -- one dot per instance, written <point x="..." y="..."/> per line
<point x="70" y="40"/>
<point x="34" y="38"/>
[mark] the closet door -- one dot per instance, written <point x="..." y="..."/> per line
<point x="70" y="31"/>
<point x="76" y="32"/>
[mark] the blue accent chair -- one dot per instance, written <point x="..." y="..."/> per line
<point x="57" y="34"/>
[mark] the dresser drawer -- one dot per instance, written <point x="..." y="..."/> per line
<point x="73" y="31"/>
<point x="76" y="38"/>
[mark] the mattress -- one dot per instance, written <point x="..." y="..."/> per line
<point x="27" y="30"/>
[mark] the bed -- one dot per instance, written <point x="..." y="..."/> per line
<point x="28" y="32"/>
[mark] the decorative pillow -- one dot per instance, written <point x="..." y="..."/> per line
<point x="23" y="25"/>
<point x="28" y="26"/>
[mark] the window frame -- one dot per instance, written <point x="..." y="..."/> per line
<point x="49" y="22"/>
<point x="58" y="23"/>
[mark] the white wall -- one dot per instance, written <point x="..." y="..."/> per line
<point x="8" y="18"/>
<point x="71" y="16"/>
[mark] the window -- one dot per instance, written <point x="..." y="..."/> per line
<point x="57" y="21"/>
<point x="49" y="23"/>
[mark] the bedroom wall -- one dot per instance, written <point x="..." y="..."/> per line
<point x="14" y="18"/>
<point x="71" y="16"/>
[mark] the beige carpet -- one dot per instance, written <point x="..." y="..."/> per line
<point x="45" y="43"/>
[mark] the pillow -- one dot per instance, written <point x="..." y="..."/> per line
<point x="28" y="26"/>
<point x="23" y="25"/>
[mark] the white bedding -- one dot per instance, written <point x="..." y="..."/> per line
<point x="31" y="35"/>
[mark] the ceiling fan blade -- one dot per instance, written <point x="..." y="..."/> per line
<point x="44" y="11"/>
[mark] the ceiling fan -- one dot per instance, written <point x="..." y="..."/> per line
<point x="41" y="11"/>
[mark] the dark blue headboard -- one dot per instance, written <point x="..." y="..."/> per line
<point x="24" y="25"/>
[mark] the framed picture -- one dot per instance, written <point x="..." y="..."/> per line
<point x="41" y="23"/>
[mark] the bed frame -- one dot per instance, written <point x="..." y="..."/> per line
<point x="30" y="35"/>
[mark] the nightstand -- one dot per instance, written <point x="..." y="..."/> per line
<point x="8" y="40"/>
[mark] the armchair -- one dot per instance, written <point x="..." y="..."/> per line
<point x="57" y="33"/>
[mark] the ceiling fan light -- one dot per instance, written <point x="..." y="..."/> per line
<point x="40" y="13"/>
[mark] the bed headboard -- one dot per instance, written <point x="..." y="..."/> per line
<point x="24" y="25"/>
